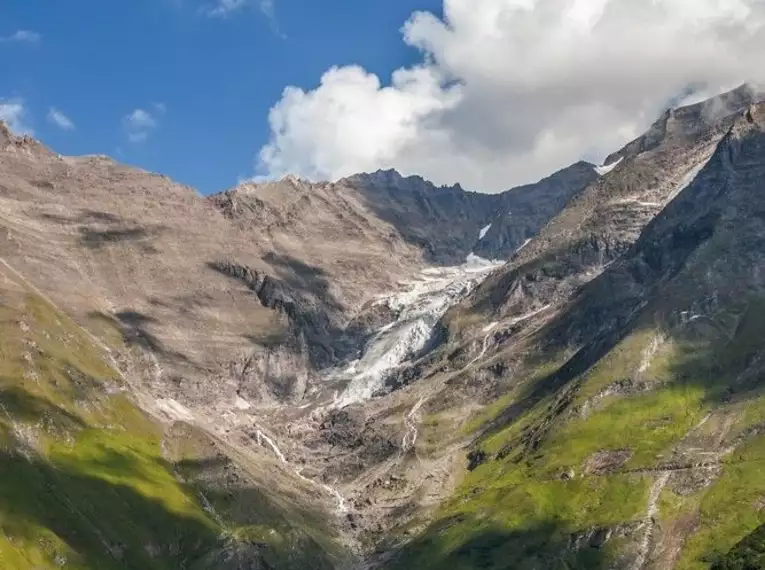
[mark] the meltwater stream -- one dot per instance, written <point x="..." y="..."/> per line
<point x="418" y="306"/>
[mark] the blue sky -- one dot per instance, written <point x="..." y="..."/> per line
<point x="487" y="93"/>
<point x="205" y="83"/>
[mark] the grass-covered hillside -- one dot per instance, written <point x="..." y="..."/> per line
<point x="643" y="447"/>
<point x="88" y="481"/>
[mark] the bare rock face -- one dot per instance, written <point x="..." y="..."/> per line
<point x="602" y="222"/>
<point x="5" y="135"/>
<point x="449" y="223"/>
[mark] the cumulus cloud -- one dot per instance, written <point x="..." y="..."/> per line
<point x="23" y="36"/>
<point x="60" y="119"/>
<point x="140" y="122"/>
<point x="508" y="91"/>
<point x="13" y="113"/>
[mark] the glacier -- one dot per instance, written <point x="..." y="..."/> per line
<point x="419" y="305"/>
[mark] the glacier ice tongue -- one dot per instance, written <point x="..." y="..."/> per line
<point x="419" y="306"/>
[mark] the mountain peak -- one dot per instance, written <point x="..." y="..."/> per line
<point x="6" y="135"/>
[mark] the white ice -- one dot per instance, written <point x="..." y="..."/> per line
<point x="419" y="306"/>
<point x="484" y="231"/>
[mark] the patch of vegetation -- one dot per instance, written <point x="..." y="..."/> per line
<point x="285" y="532"/>
<point x="84" y="482"/>
<point x="529" y="505"/>
<point x="731" y="509"/>
<point x="749" y="554"/>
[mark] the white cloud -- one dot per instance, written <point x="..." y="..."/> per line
<point x="507" y="91"/>
<point x="268" y="9"/>
<point x="140" y="123"/>
<point x="60" y="119"/>
<point x="224" y="8"/>
<point x="23" y="36"/>
<point x="13" y="113"/>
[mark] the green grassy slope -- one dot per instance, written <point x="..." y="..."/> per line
<point x="84" y="480"/>
<point x="568" y="483"/>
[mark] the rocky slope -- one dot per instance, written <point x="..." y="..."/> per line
<point x="292" y="375"/>
<point x="225" y="318"/>
<point x="628" y="428"/>
<point x="449" y="223"/>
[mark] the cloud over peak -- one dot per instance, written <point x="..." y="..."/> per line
<point x="13" y="113"/>
<point x="507" y="91"/>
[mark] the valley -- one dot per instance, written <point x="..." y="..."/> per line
<point x="378" y="373"/>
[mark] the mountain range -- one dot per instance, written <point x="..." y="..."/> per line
<point x="381" y="373"/>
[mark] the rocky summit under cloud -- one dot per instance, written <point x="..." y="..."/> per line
<point x="508" y="91"/>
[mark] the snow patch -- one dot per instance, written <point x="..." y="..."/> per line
<point x="523" y="245"/>
<point x="649" y="352"/>
<point x="475" y="263"/>
<point x="484" y="231"/>
<point x="638" y="202"/>
<point x="605" y="169"/>
<point x="528" y="315"/>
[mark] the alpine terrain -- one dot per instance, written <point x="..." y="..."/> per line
<point x="378" y="373"/>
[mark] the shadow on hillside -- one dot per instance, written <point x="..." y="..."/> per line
<point x="287" y="533"/>
<point x="115" y="503"/>
<point x="442" y="222"/>
<point x="107" y="525"/>
<point x="748" y="554"/>
<point x="84" y="217"/>
<point x="103" y="503"/>
<point x="478" y="547"/>
<point x="20" y="404"/>
<point x="301" y="276"/>
<point x="632" y="293"/>
<point x="302" y="293"/>
<point x="96" y="239"/>
<point x="133" y="326"/>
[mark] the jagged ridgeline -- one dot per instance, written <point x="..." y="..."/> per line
<point x="378" y="373"/>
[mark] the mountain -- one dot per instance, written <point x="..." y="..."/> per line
<point x="444" y="221"/>
<point x="381" y="373"/>
<point x="624" y="425"/>
<point x="209" y="328"/>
